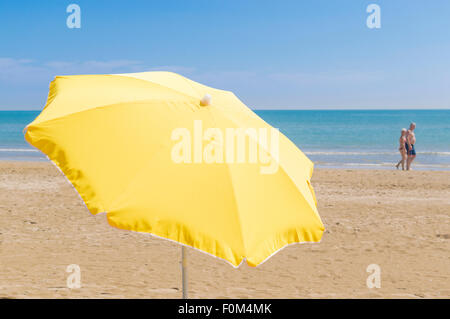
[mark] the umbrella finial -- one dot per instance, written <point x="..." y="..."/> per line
<point x="206" y="100"/>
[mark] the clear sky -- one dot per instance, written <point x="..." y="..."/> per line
<point x="272" y="54"/>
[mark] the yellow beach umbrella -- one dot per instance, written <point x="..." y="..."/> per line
<point x="165" y="155"/>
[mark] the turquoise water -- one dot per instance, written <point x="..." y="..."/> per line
<point x="353" y="139"/>
<point x="366" y="139"/>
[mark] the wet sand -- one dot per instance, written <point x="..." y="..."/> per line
<point x="397" y="220"/>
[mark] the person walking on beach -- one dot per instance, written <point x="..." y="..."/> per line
<point x="410" y="142"/>
<point x="402" y="149"/>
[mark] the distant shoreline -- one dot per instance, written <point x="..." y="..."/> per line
<point x="317" y="166"/>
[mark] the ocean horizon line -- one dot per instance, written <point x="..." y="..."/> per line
<point x="296" y="109"/>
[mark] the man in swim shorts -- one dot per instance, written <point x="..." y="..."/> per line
<point x="409" y="144"/>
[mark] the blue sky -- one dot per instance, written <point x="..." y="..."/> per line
<point x="272" y="54"/>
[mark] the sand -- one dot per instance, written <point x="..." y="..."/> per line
<point x="398" y="220"/>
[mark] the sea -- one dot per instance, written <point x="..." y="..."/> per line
<point x="353" y="139"/>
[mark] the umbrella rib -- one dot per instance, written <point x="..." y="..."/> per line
<point x="122" y="102"/>
<point x="126" y="101"/>
<point x="235" y="199"/>
<point x="278" y="161"/>
<point x="87" y="110"/>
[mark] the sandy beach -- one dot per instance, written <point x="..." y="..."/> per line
<point x="398" y="220"/>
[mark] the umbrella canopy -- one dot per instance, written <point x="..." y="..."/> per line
<point x="150" y="150"/>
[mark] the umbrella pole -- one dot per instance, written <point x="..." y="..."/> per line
<point x="183" y="271"/>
